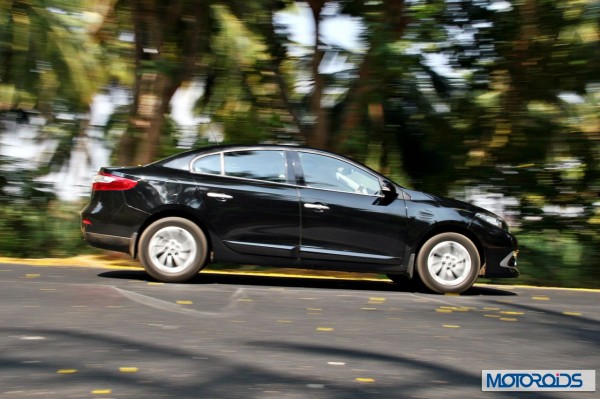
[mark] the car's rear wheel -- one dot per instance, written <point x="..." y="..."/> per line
<point x="173" y="249"/>
<point x="448" y="263"/>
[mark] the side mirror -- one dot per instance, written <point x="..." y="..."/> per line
<point x="388" y="189"/>
<point x="389" y="192"/>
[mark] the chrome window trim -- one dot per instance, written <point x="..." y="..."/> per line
<point x="297" y="150"/>
<point x="242" y="149"/>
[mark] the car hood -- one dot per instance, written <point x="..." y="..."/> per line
<point x="443" y="201"/>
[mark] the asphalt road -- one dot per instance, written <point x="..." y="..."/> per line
<point x="74" y="332"/>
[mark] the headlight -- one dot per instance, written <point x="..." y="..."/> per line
<point x="493" y="220"/>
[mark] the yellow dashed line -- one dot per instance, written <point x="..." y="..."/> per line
<point x="508" y="318"/>
<point x="284" y="321"/>
<point x="153" y="283"/>
<point x="101" y="392"/>
<point x="443" y="310"/>
<point x="572" y="313"/>
<point x="245" y="300"/>
<point x="32" y="275"/>
<point x="377" y="299"/>
<point x="540" y="298"/>
<point x="511" y="312"/>
<point x="66" y="371"/>
<point x="314" y="309"/>
<point x="365" y="380"/>
<point x="128" y="369"/>
<point x="324" y="329"/>
<point x="184" y="302"/>
<point x="368" y="308"/>
<point x="451" y="326"/>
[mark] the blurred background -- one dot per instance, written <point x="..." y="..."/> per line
<point x="495" y="102"/>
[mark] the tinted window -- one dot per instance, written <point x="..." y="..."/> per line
<point x="210" y="165"/>
<point x="260" y="165"/>
<point x="177" y="162"/>
<point x="333" y="174"/>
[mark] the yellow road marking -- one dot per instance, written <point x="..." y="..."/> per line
<point x="540" y="298"/>
<point x="365" y="380"/>
<point x="451" y="326"/>
<point x="324" y="329"/>
<point x="67" y="371"/>
<point x="101" y="391"/>
<point x="184" y="302"/>
<point x="572" y="313"/>
<point x="508" y="318"/>
<point x="128" y="369"/>
<point x="92" y="262"/>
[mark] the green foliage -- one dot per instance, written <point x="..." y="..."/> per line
<point x="550" y="257"/>
<point x="44" y="58"/>
<point x="33" y="223"/>
<point x="511" y="105"/>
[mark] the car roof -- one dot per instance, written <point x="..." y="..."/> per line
<point x="233" y="147"/>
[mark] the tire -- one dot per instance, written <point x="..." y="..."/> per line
<point x="448" y="263"/>
<point x="173" y="250"/>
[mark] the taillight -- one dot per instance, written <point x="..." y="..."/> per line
<point x="108" y="182"/>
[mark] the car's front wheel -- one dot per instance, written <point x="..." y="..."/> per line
<point x="448" y="263"/>
<point x="173" y="249"/>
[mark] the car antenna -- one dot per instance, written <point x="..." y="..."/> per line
<point x="213" y="135"/>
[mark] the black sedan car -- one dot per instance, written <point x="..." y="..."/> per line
<point x="295" y="207"/>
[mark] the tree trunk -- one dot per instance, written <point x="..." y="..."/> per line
<point x="162" y="63"/>
<point x="360" y="101"/>
<point x="319" y="134"/>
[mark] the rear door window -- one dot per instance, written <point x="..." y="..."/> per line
<point x="268" y="165"/>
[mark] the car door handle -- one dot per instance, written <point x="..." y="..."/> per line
<point x="317" y="207"/>
<point x="220" y="196"/>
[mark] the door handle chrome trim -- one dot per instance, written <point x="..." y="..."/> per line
<point x="219" y="196"/>
<point x="316" y="207"/>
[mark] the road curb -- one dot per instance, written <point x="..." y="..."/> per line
<point x="93" y="262"/>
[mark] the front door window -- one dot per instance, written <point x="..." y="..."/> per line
<point x="333" y="174"/>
